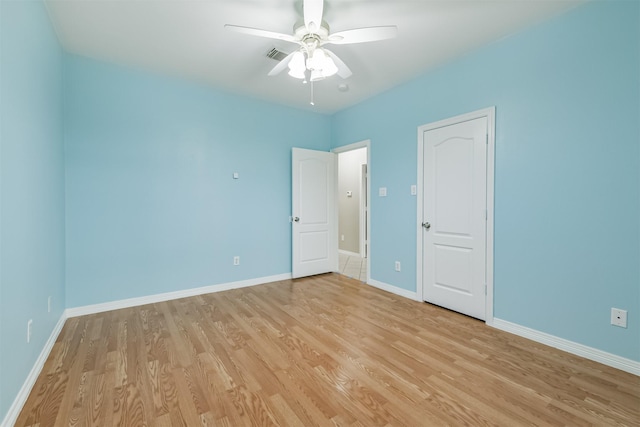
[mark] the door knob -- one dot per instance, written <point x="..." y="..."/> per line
<point x="296" y="219"/>
<point x="426" y="225"/>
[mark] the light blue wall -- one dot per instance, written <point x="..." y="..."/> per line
<point x="151" y="203"/>
<point x="32" y="189"/>
<point x="567" y="180"/>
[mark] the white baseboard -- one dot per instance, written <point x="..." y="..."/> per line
<point x="394" y="289"/>
<point x="618" y="362"/>
<point x="23" y="394"/>
<point x="168" y="296"/>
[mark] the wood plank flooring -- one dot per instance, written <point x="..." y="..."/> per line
<point x="325" y="350"/>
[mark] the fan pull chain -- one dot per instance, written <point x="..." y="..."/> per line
<point x="311" y="102"/>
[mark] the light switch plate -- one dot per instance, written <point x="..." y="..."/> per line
<point x="382" y="191"/>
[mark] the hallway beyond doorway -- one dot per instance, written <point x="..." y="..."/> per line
<point x="353" y="266"/>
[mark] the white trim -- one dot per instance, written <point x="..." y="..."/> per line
<point x="362" y="144"/>
<point x="618" y="362"/>
<point x="419" y="209"/>
<point x="491" y="155"/>
<point x="168" y="296"/>
<point x="490" y="114"/>
<point x="21" y="398"/>
<point x="366" y="143"/>
<point x="362" y="210"/>
<point x="394" y="290"/>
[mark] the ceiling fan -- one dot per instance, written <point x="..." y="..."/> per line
<point x="312" y="61"/>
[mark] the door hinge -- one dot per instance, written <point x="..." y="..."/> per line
<point x="486" y="139"/>
<point x="486" y="214"/>
<point x="485" y="288"/>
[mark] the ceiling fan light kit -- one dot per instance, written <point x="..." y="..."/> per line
<point x="320" y="65"/>
<point x="315" y="66"/>
<point x="311" y="61"/>
<point x="297" y="67"/>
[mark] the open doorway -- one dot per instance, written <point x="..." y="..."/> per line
<point x="353" y="210"/>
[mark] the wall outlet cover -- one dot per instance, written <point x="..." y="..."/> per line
<point x="619" y="317"/>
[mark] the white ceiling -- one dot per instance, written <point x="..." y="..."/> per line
<point x="187" y="38"/>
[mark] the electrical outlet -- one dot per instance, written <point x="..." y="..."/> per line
<point x="397" y="265"/>
<point x="342" y="237"/>
<point x="619" y="317"/>
<point x="236" y="260"/>
<point x="49" y="304"/>
<point x="29" y="327"/>
<point x="414" y="190"/>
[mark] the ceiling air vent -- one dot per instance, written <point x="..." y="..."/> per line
<point x="275" y="54"/>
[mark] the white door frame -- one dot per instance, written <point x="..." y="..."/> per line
<point x="490" y="114"/>
<point x="362" y="144"/>
<point x="364" y="207"/>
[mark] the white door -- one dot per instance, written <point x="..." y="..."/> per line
<point x="315" y="214"/>
<point x="454" y="222"/>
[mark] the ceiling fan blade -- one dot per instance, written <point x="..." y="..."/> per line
<point x="281" y="65"/>
<point x="261" y="33"/>
<point x="363" y="35"/>
<point x="343" y="70"/>
<point x="312" y="11"/>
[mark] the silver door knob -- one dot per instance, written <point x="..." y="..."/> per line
<point x="296" y="219"/>
<point x="426" y="225"/>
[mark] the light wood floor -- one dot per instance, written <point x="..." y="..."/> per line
<point x="326" y="350"/>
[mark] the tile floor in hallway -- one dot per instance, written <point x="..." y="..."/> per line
<point x="353" y="266"/>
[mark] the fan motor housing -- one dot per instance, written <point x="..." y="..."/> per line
<point x="301" y="32"/>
